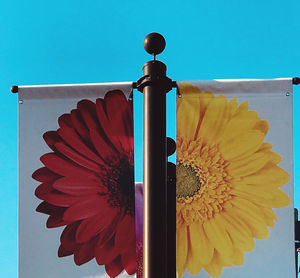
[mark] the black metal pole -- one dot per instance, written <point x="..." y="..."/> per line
<point x="155" y="84"/>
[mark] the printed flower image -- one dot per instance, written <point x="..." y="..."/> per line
<point x="139" y="228"/>
<point x="87" y="183"/>
<point x="228" y="181"/>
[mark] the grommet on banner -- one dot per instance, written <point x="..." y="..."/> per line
<point x="131" y="95"/>
<point x="179" y="95"/>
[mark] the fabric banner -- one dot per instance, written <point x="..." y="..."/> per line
<point x="235" y="213"/>
<point x="76" y="181"/>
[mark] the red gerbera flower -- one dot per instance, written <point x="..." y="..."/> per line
<point x="87" y="183"/>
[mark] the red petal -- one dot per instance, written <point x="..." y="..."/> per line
<point x="65" y="120"/>
<point x="67" y="239"/>
<point x="70" y="136"/>
<point x="44" y="175"/>
<point x="88" y="228"/>
<point x="77" y="158"/>
<point x="44" y="189"/>
<point x="51" y="137"/>
<point x="87" y="109"/>
<point x="56" y="214"/>
<point x="105" y="124"/>
<point x="60" y="199"/>
<point x="55" y="221"/>
<point x="85" y="209"/>
<point x="102" y="147"/>
<point x="115" y="268"/>
<point x="64" y="250"/>
<point x="49" y="209"/>
<point x="79" y="125"/>
<point x="120" y="115"/>
<point x="101" y="142"/>
<point x="68" y="234"/>
<point x="125" y="232"/>
<point x="109" y="232"/>
<point x="79" y="187"/>
<point x="107" y="253"/>
<point x="127" y="143"/>
<point x="85" y="253"/>
<point x="129" y="259"/>
<point x="64" y="167"/>
<point x="119" y="112"/>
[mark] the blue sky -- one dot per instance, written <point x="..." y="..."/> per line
<point x="57" y="42"/>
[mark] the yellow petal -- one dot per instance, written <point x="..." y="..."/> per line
<point x="214" y="120"/>
<point x="255" y="194"/>
<point x="179" y="274"/>
<point x="205" y="100"/>
<point x="270" y="175"/>
<point x="188" y="116"/>
<point x="217" y="235"/>
<point x="262" y="196"/>
<point x="249" y="165"/>
<point x="214" y="269"/>
<point x="202" y="250"/>
<point x="240" y="123"/>
<point x="239" y="233"/>
<point x="233" y="104"/>
<point x="182" y="248"/>
<point x="242" y="107"/>
<point x="244" y="144"/>
<point x="265" y="147"/>
<point x="262" y="126"/>
<point x="251" y="216"/>
<point x="238" y="257"/>
<point x="187" y="89"/>
<point x="223" y="260"/>
<point x="280" y="199"/>
<point x="275" y="157"/>
<point x="269" y="216"/>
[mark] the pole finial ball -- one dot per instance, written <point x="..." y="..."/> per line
<point x="154" y="43"/>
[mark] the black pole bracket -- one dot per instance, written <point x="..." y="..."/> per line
<point x="164" y="82"/>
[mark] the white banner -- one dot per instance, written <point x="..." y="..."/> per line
<point x="235" y="213"/>
<point x="85" y="131"/>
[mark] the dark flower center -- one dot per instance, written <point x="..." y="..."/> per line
<point x="187" y="182"/>
<point x="126" y="182"/>
<point x="121" y="185"/>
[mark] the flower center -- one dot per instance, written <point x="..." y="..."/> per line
<point x="203" y="182"/>
<point x="126" y="182"/>
<point x="120" y="184"/>
<point x="187" y="182"/>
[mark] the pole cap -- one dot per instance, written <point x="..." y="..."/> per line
<point x="14" y="89"/>
<point x="154" y="43"/>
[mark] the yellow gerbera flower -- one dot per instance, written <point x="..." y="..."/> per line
<point x="227" y="181"/>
